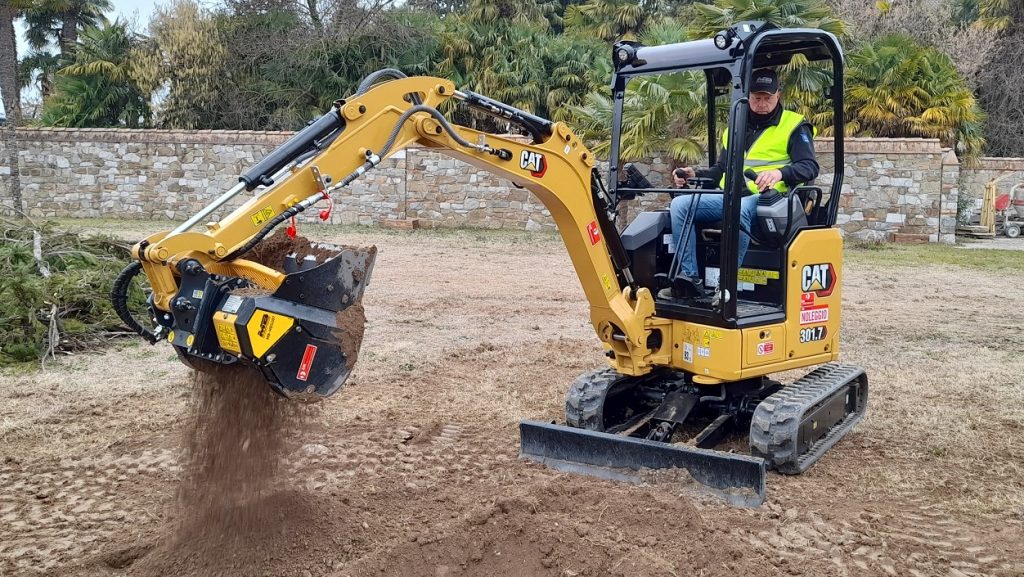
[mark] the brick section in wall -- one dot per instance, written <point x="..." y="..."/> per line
<point x="892" y="188"/>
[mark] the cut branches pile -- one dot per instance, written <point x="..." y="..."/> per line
<point x="54" y="287"/>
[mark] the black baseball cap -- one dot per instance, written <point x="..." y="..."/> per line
<point x="764" y="80"/>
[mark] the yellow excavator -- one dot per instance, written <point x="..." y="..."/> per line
<point x="683" y="376"/>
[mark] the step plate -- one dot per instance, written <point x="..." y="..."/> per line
<point x="738" y="479"/>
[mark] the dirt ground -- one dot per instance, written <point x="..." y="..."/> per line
<point x="412" y="469"/>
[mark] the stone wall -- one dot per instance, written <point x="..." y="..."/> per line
<point x="903" y="189"/>
<point x="973" y="180"/>
<point x="895" y="188"/>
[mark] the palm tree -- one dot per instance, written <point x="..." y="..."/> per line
<point x="712" y="18"/>
<point x="899" y="88"/>
<point x="10" y="93"/>
<point x="998" y="15"/>
<point x="62" y="21"/>
<point x="38" y="69"/>
<point x="613" y="19"/>
<point x="97" y="89"/>
<point x="9" y="85"/>
<point x="664" y="115"/>
<point x="575" y="69"/>
<point x="483" y="51"/>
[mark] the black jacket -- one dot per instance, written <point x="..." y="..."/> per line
<point x="803" y="165"/>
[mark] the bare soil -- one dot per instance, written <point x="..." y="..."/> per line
<point x="412" y="468"/>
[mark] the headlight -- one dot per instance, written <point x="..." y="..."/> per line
<point x="723" y="40"/>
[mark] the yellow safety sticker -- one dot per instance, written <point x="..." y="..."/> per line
<point x="261" y="216"/>
<point x="226" y="335"/>
<point x="708" y="335"/>
<point x="756" y="275"/>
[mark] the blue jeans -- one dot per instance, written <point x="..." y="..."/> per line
<point x="707" y="210"/>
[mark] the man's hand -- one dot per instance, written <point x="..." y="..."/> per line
<point x="768" y="179"/>
<point x="680" y="175"/>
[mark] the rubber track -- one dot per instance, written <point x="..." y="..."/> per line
<point x="775" y="426"/>
<point x="584" y="402"/>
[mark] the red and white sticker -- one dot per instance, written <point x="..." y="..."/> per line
<point x="806" y="300"/>
<point x="307" y="362"/>
<point x="765" y="348"/>
<point x="814" y="315"/>
<point x="594" y="231"/>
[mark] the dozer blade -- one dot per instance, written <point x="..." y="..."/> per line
<point x="738" y="479"/>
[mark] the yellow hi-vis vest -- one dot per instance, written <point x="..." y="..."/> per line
<point x="770" y="150"/>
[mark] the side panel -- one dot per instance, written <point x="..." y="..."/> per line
<point x="764" y="345"/>
<point x="814" y="294"/>
<point x="707" y="351"/>
<point x="809" y="336"/>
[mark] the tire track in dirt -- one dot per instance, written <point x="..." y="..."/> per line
<point x="422" y="456"/>
<point x="53" y="514"/>
<point x="914" y="537"/>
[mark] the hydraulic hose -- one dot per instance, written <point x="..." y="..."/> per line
<point x="119" y="299"/>
<point x="290" y="212"/>
<point x="373" y="77"/>
<point x="444" y="124"/>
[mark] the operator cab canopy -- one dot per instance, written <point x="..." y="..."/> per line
<point x="671" y="105"/>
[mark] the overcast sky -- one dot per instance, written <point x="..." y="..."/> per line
<point x="138" y="11"/>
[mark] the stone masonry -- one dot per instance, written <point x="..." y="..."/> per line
<point x="974" y="180"/>
<point x="894" y="189"/>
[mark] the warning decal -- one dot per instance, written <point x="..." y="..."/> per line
<point x="261" y="216"/>
<point x="307" y="362"/>
<point x="756" y="275"/>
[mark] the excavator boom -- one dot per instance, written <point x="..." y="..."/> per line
<point x="223" y="296"/>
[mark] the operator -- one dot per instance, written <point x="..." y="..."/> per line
<point x="779" y="149"/>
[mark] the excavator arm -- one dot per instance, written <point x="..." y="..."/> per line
<point x="220" y="298"/>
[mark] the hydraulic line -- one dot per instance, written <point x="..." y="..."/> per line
<point x="119" y="299"/>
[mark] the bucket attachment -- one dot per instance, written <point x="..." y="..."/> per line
<point x="303" y="336"/>
<point x="739" y="479"/>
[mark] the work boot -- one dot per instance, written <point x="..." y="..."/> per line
<point x="683" y="287"/>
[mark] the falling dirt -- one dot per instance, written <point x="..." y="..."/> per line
<point x="228" y="504"/>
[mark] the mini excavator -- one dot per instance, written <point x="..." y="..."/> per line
<point x="684" y="377"/>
